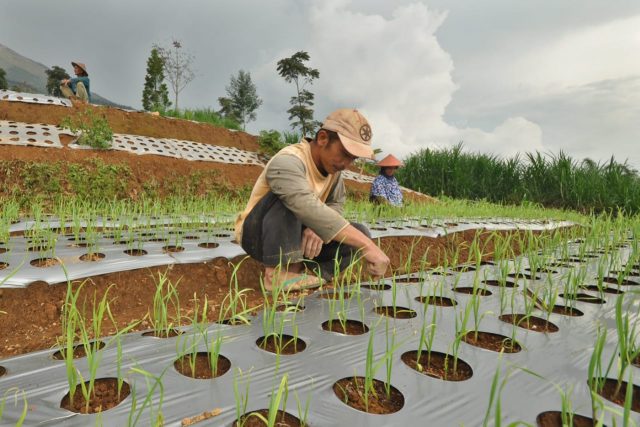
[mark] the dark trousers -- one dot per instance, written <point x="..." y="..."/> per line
<point x="272" y="234"/>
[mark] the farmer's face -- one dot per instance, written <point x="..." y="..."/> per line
<point x="77" y="70"/>
<point x="390" y="171"/>
<point x="333" y="156"/>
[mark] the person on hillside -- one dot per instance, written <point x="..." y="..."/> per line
<point x="293" y="219"/>
<point x="385" y="188"/>
<point x="79" y="85"/>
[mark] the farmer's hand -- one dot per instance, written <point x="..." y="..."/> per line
<point x="311" y="244"/>
<point x="65" y="82"/>
<point x="377" y="261"/>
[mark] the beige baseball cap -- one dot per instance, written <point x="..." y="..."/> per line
<point x="353" y="129"/>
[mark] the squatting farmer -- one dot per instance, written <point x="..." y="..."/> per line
<point x="294" y="216"/>
<point x="79" y="85"/>
<point x="385" y="189"/>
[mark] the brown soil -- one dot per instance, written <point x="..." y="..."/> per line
<point x="44" y="262"/>
<point x="3" y="265"/>
<point x="32" y="319"/>
<point x="3" y="370"/>
<point x="283" y="419"/>
<point x="491" y="341"/>
<point x="208" y="245"/>
<point x="350" y="327"/>
<point x="135" y="252"/>
<point x="554" y="419"/>
<point x="532" y="323"/>
<point x="439" y="301"/>
<point x="469" y="290"/>
<point x="396" y="312"/>
<point x="438" y="365"/>
<point x="351" y="391"/>
<point x="202" y="368"/>
<point x="567" y="311"/>
<point x="172" y="248"/>
<point x="104" y="397"/>
<point x="284" y="344"/>
<point x="91" y="257"/>
<point x="506" y="283"/>
<point x="583" y="298"/>
<point x="609" y="393"/>
<point x="79" y="350"/>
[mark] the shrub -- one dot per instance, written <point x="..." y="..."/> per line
<point x="270" y="142"/>
<point x="93" y="129"/>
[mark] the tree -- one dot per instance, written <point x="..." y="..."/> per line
<point x="177" y="65"/>
<point x="55" y="75"/>
<point x="242" y="101"/>
<point x="294" y="70"/>
<point x="155" y="95"/>
<point x="3" y="79"/>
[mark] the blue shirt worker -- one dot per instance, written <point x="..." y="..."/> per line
<point x="79" y="85"/>
<point x="385" y="188"/>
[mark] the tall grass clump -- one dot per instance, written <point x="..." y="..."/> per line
<point x="203" y="115"/>
<point x="553" y="180"/>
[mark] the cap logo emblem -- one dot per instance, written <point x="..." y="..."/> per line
<point x="365" y="132"/>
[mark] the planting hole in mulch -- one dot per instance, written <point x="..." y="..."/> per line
<point x="546" y="270"/>
<point x="439" y="272"/>
<point x="349" y="327"/>
<point x="3" y="265"/>
<point x="631" y="272"/>
<point x="281" y="344"/>
<point x="525" y="275"/>
<point x="436" y="300"/>
<point x="76" y="239"/>
<point x="38" y="248"/>
<point x="172" y="248"/>
<point x="379" y="228"/>
<point x="491" y="341"/>
<point x="567" y="311"/>
<point x="91" y="257"/>
<point x="583" y="298"/>
<point x="235" y="322"/>
<point x="44" y="262"/>
<point x="531" y="323"/>
<point x="396" y="312"/>
<point x="191" y="237"/>
<point x="335" y="295"/>
<point x="3" y="370"/>
<point x="283" y="419"/>
<point x="3" y="250"/>
<point x="409" y="280"/>
<point x="554" y="419"/>
<point x="559" y="265"/>
<point x="616" y="394"/>
<point x="198" y="366"/>
<point x="438" y="365"/>
<point x="377" y="287"/>
<point x="208" y="245"/>
<point x="171" y="333"/>
<point x="469" y="290"/>
<point x="351" y="391"/>
<point x="505" y="283"/>
<point x="605" y="289"/>
<point x="624" y="282"/>
<point x="158" y="240"/>
<point x="222" y="235"/>
<point x="135" y="252"/>
<point x="290" y="307"/>
<point x="104" y="397"/>
<point x="79" y="350"/>
<point x="462" y="268"/>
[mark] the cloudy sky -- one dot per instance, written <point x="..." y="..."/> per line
<point x="504" y="76"/>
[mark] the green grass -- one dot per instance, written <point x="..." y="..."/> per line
<point x="203" y="115"/>
<point x="552" y="180"/>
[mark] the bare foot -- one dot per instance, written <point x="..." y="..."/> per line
<point x="293" y="279"/>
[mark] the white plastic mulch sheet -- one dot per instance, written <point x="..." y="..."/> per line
<point x="20" y="254"/>
<point x="561" y="357"/>
<point x="29" y="134"/>
<point x="33" y="98"/>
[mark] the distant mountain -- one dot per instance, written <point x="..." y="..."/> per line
<point x="30" y="75"/>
